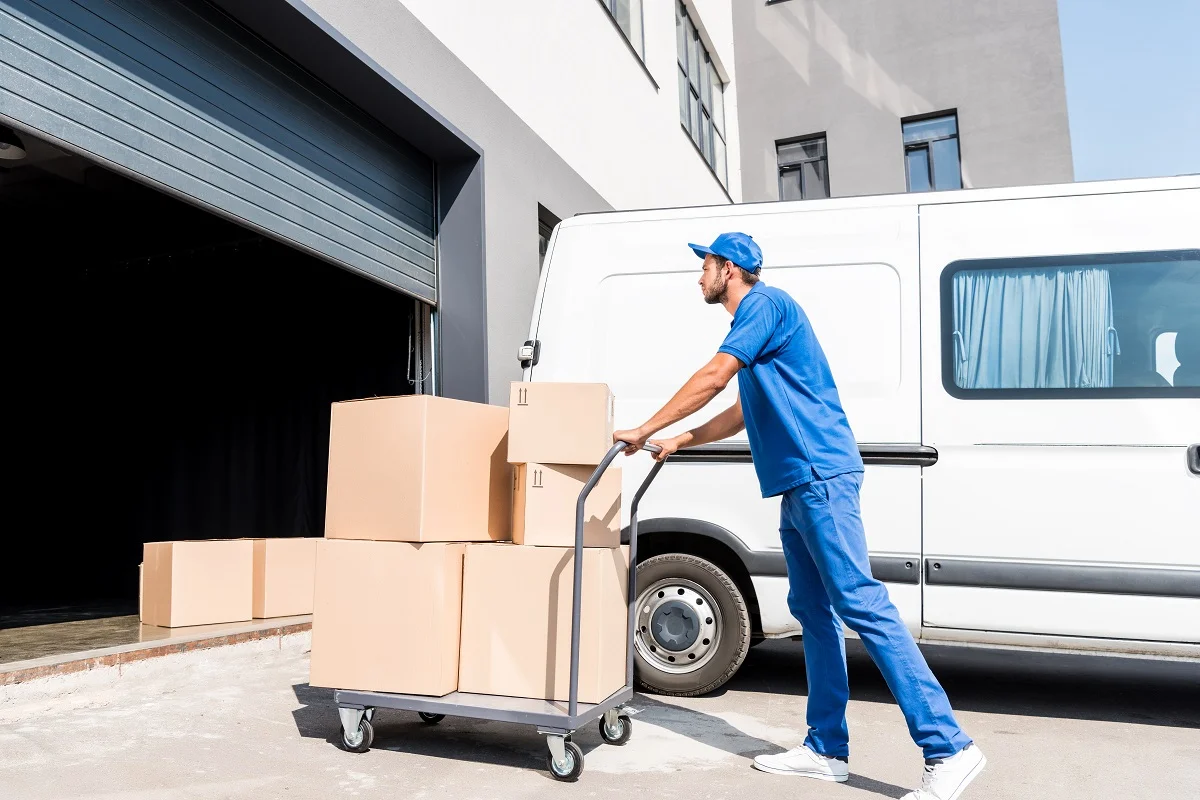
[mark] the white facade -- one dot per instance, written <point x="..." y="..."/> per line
<point x="566" y="70"/>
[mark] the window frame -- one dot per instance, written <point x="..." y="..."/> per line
<point x="927" y="146"/>
<point x="609" y="7"/>
<point x="706" y="123"/>
<point x="798" y="166"/>
<point x="1048" y="262"/>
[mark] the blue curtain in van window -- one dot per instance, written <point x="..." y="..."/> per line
<point x="1033" y="329"/>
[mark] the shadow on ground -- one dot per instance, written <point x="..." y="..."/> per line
<point x="520" y="746"/>
<point x="718" y="733"/>
<point x="990" y="681"/>
<point x="1066" y="686"/>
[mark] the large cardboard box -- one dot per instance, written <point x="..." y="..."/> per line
<point x="386" y="616"/>
<point x="283" y="577"/>
<point x="197" y="582"/>
<point x="418" y="469"/>
<point x="544" y="501"/>
<point x="516" y="623"/>
<point x="559" y="423"/>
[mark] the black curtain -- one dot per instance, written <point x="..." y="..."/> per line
<point x="170" y="377"/>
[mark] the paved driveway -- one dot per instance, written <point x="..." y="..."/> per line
<point x="240" y="722"/>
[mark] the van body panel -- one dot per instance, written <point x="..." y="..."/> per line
<point x="1055" y="477"/>
<point x="1092" y="485"/>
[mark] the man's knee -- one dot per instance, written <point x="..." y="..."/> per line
<point x="864" y="605"/>
<point x="810" y="614"/>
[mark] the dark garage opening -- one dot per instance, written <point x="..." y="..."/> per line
<point x="170" y="375"/>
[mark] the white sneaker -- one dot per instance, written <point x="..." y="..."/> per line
<point x="947" y="778"/>
<point x="805" y="763"/>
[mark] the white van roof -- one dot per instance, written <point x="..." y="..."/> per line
<point x="889" y="200"/>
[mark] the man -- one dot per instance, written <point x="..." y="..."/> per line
<point x="804" y="450"/>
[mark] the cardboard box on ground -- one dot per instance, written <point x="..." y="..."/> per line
<point x="197" y="582"/>
<point x="205" y="582"/>
<point x="283" y="576"/>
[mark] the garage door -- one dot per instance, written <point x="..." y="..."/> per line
<point x="177" y="94"/>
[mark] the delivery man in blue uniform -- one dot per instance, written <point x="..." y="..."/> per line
<point x="804" y="450"/>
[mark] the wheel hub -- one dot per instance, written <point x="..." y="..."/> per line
<point x="678" y="626"/>
<point x="675" y="626"/>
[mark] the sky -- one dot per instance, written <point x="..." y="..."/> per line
<point x="1132" y="71"/>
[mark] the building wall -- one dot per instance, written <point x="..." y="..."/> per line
<point x="854" y="68"/>
<point x="520" y="169"/>
<point x="565" y="69"/>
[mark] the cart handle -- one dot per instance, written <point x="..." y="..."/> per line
<point x="577" y="595"/>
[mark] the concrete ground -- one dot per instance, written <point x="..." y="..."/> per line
<point x="240" y="722"/>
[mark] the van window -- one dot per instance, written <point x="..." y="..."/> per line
<point x="1106" y="325"/>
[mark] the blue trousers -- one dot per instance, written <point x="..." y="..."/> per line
<point x="829" y="576"/>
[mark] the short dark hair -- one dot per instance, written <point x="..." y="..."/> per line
<point x="750" y="278"/>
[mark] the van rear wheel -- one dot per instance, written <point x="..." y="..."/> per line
<point x="693" y="626"/>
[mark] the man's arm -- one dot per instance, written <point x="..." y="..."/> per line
<point x="722" y="426"/>
<point x="700" y="389"/>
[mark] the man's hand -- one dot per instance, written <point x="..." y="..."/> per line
<point x="635" y="439"/>
<point x="669" y="447"/>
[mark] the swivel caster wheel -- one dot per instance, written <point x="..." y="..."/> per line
<point x="619" y="733"/>
<point x="432" y="719"/>
<point x="360" y="740"/>
<point x="570" y="767"/>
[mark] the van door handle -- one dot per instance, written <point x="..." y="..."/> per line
<point x="1193" y="459"/>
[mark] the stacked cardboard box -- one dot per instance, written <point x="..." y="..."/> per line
<point x="411" y="479"/>
<point x="516" y="628"/>
<point x="447" y="567"/>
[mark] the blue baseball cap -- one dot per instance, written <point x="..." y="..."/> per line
<point x="736" y="247"/>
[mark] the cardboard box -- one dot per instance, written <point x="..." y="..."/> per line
<point x="559" y="423"/>
<point x="197" y="582"/>
<point x="283" y="576"/>
<point x="386" y="616"/>
<point x="516" y="621"/>
<point x="418" y="469"/>
<point x="544" y="500"/>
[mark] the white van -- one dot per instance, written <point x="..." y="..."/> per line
<point x="1020" y="366"/>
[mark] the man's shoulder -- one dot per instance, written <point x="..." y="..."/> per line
<point x="775" y="296"/>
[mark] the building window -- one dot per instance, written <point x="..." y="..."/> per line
<point x="803" y="168"/>
<point x="628" y="14"/>
<point x="931" y="161"/>
<point x="701" y="94"/>
<point x="1108" y="325"/>
<point x="546" y="224"/>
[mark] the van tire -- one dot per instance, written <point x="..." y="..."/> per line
<point x="733" y="637"/>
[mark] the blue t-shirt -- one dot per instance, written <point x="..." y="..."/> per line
<point x="794" y="419"/>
